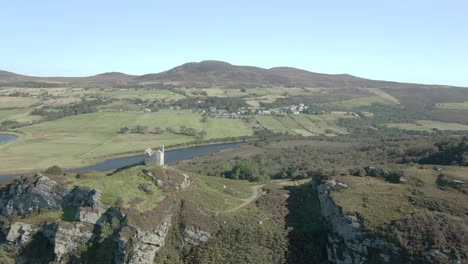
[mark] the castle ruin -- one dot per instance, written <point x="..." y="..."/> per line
<point x="154" y="157"/>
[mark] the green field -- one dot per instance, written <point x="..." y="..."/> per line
<point x="17" y="102"/>
<point x="429" y="125"/>
<point x="143" y="94"/>
<point x="88" y="138"/>
<point x="352" y="103"/>
<point x="302" y="124"/>
<point x="319" y="124"/>
<point x="271" y="123"/>
<point x="463" y="105"/>
<point x="288" y="122"/>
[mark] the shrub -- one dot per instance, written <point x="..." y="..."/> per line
<point x="54" y="170"/>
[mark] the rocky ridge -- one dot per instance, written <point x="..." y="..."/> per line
<point x="93" y="221"/>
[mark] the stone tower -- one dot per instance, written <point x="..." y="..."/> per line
<point x="154" y="157"/>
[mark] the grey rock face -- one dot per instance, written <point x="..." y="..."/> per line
<point x="26" y="195"/>
<point x="349" y="241"/>
<point x="194" y="236"/>
<point x="69" y="237"/>
<point x="20" y="233"/>
<point x="142" y="246"/>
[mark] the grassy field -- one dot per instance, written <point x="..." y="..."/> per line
<point x="17" y="102"/>
<point x="209" y="192"/>
<point x="380" y="202"/>
<point x="463" y="105"/>
<point x="352" y="103"/>
<point x="84" y="139"/>
<point x="123" y="184"/>
<point x="150" y="94"/>
<point x="19" y="115"/>
<point x="429" y="125"/>
<point x="320" y="124"/>
<point x="271" y="123"/>
<point x="302" y="124"/>
<point x="383" y="95"/>
<point x="219" y="128"/>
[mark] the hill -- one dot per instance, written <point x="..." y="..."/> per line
<point x="220" y="74"/>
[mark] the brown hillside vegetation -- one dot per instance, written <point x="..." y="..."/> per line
<point x="217" y="73"/>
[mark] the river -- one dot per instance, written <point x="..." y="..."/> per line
<point x="170" y="157"/>
<point x="7" y="138"/>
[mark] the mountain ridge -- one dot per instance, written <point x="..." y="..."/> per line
<point x="222" y="74"/>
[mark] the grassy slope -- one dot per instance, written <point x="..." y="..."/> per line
<point x="271" y="123"/>
<point x="17" y="102"/>
<point x="123" y="184"/>
<point x="428" y="125"/>
<point x="318" y="124"/>
<point x="210" y="193"/>
<point x="379" y="202"/>
<point x="20" y="115"/>
<point x="352" y="103"/>
<point x="463" y="105"/>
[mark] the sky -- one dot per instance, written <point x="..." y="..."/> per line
<point x="409" y="41"/>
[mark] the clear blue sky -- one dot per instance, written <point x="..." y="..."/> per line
<point x="411" y="40"/>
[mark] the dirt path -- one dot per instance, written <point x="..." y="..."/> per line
<point x="253" y="197"/>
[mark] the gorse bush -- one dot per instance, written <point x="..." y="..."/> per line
<point x="54" y="170"/>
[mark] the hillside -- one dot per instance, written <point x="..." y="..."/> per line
<point x="219" y="74"/>
<point x="360" y="201"/>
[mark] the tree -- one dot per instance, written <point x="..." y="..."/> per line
<point x="202" y="134"/>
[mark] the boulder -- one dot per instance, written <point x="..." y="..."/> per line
<point x="194" y="236"/>
<point x="27" y="194"/>
<point x="20" y="233"/>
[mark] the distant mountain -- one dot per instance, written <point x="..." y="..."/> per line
<point x="221" y="74"/>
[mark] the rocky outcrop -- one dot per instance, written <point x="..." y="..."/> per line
<point x="139" y="247"/>
<point x="185" y="183"/>
<point x="194" y="236"/>
<point x="20" y="233"/>
<point x="68" y="238"/>
<point x="27" y="194"/>
<point x="177" y="181"/>
<point x="348" y="241"/>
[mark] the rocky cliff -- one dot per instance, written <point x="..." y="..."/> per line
<point x="96" y="232"/>
<point x="348" y="241"/>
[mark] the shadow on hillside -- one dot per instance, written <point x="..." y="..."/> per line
<point x="124" y="168"/>
<point x="40" y="250"/>
<point x="308" y="231"/>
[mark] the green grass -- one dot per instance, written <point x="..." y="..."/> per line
<point x="319" y="124"/>
<point x="463" y="105"/>
<point x="288" y="122"/>
<point x="235" y="188"/>
<point x="79" y="140"/>
<point x="378" y="201"/>
<point x="141" y="93"/>
<point x="123" y="184"/>
<point x="209" y="192"/>
<point x="17" y="102"/>
<point x="429" y="125"/>
<point x="219" y="128"/>
<point x="271" y="123"/>
<point x="353" y="103"/>
<point x="14" y="114"/>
